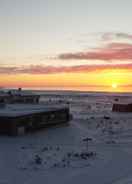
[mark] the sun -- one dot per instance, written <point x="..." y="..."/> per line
<point x="114" y="85"/>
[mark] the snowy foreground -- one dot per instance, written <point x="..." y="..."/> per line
<point x="60" y="155"/>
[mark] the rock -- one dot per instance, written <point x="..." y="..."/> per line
<point x="116" y="99"/>
<point x="57" y="148"/>
<point x="107" y="117"/>
<point x="38" y="159"/>
<point x="45" y="149"/>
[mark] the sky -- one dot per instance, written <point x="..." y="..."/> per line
<point x="66" y="44"/>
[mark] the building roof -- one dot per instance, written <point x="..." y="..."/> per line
<point x="16" y="110"/>
<point x="17" y="92"/>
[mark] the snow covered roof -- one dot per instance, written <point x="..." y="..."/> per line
<point x="22" y="92"/>
<point x="17" y="92"/>
<point x="15" y="110"/>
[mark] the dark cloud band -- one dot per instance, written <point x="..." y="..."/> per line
<point x="41" y="69"/>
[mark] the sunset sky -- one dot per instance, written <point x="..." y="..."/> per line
<point x="66" y="44"/>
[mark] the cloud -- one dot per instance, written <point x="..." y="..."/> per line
<point x="112" y="55"/>
<point x="111" y="51"/>
<point x="41" y="69"/>
<point x="111" y="35"/>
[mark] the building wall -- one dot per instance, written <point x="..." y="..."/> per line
<point x="34" y="121"/>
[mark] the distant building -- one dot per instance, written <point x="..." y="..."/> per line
<point x="19" y="96"/>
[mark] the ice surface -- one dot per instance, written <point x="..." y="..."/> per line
<point x="43" y="157"/>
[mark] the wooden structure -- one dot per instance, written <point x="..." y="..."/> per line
<point x="15" y="119"/>
<point x="122" y="108"/>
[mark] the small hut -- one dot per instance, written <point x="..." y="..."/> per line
<point x="122" y="107"/>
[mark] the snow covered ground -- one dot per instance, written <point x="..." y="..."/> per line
<point x="59" y="154"/>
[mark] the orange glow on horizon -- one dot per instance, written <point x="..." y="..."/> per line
<point x="110" y="80"/>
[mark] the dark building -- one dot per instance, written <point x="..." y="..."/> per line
<point x="15" y="119"/>
<point x="122" y="108"/>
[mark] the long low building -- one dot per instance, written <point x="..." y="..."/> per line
<point x="19" y="96"/>
<point x="19" y="118"/>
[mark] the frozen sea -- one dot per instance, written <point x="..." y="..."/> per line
<point x="58" y="148"/>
